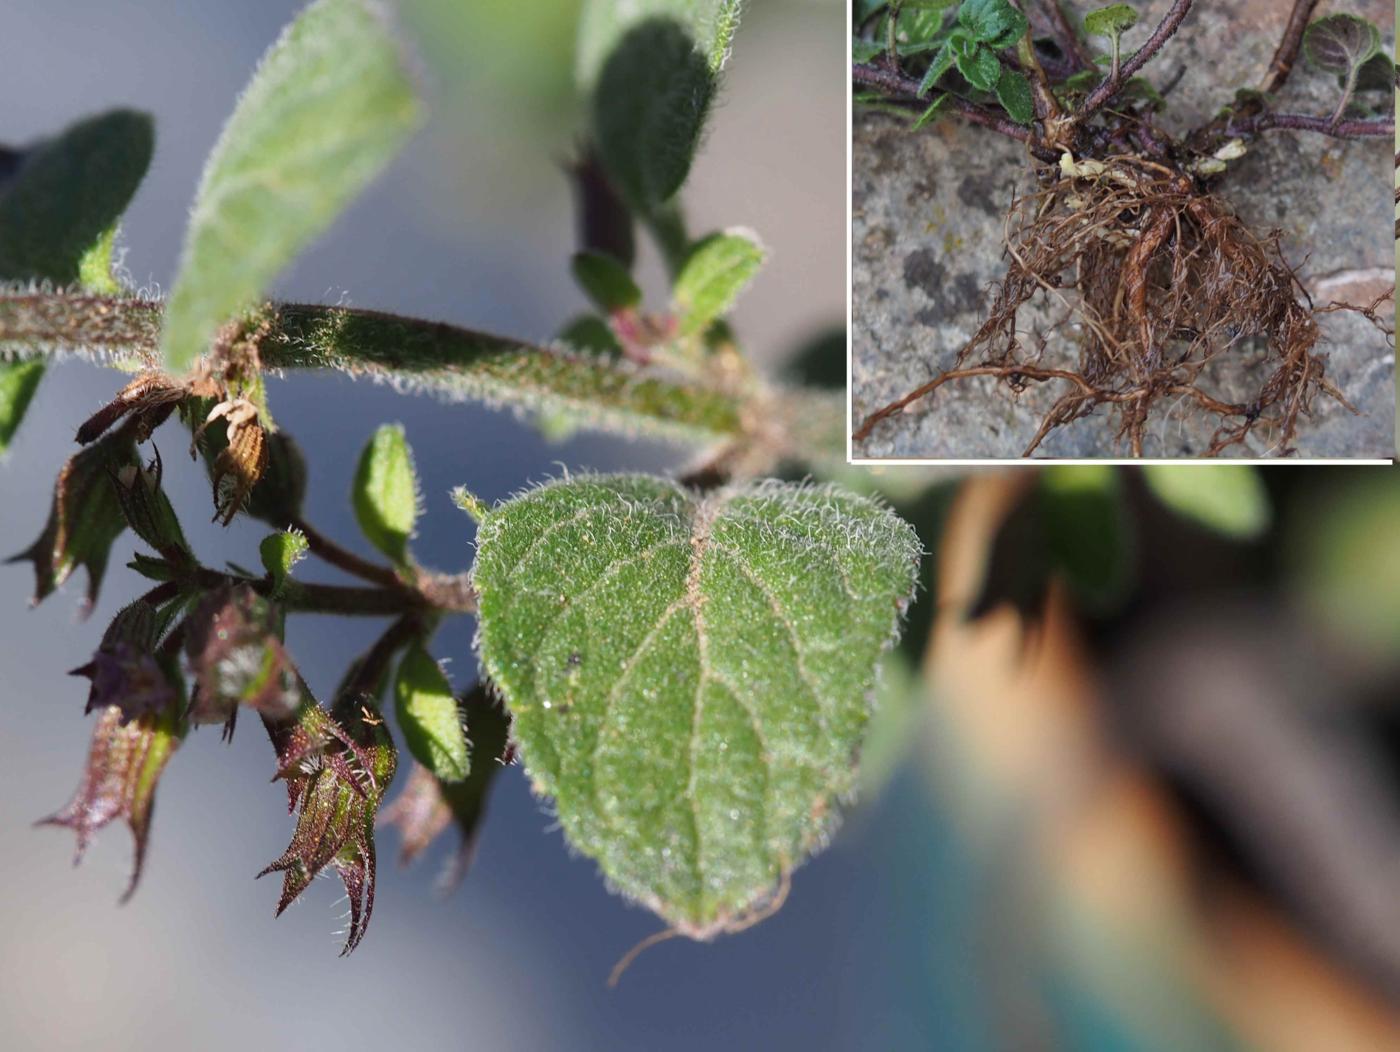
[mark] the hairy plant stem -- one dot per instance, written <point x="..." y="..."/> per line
<point x="310" y="598"/>
<point x="460" y="364"/>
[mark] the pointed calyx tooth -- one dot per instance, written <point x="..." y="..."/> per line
<point x="338" y="766"/>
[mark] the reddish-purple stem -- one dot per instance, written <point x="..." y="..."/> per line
<point x="907" y="89"/>
<point x="1353" y="129"/>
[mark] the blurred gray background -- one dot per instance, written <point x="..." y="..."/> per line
<point x="472" y="225"/>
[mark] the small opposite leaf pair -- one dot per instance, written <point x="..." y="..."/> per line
<point x="984" y="28"/>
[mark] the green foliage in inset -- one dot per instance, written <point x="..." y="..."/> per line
<point x="328" y="107"/>
<point x="1227" y="499"/>
<point x="690" y="676"/>
<point x="386" y="493"/>
<point x="428" y="716"/>
<point x="983" y="28"/>
<point x="865" y="50"/>
<point x="941" y="64"/>
<point x="937" y="107"/>
<point x="714" y="274"/>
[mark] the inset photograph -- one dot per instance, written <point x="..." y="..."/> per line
<point x="1148" y="230"/>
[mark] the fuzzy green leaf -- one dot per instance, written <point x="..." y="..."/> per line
<point x="280" y="552"/>
<point x="1110" y="21"/>
<point x="1228" y="499"/>
<point x="935" y="108"/>
<point x="386" y="492"/>
<point x="714" y="274"/>
<point x="865" y="50"/>
<point x="428" y="716"/>
<point x="978" y="65"/>
<point x="58" y="221"/>
<point x="1014" y="94"/>
<point x="59" y="212"/>
<point x="649" y="109"/>
<point x="18" y="382"/>
<point x="606" y="281"/>
<point x="992" y="22"/>
<point x="690" y="676"/>
<point x="328" y="107"/>
<point x="1340" y="43"/>
<point x="651" y="68"/>
<point x="604" y="23"/>
<point x="941" y="64"/>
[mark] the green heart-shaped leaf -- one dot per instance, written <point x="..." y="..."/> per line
<point x="690" y="676"/>
<point x="1340" y="43"/>
<point x="1110" y="21"/>
<point x="978" y="65"/>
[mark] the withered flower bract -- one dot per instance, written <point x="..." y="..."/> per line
<point x="150" y="399"/>
<point x="240" y="464"/>
<point x="124" y="764"/>
<point x="85" y="518"/>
